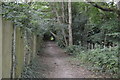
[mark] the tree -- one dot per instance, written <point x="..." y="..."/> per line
<point x="60" y="16"/>
<point x="107" y="9"/>
<point x="70" y="23"/>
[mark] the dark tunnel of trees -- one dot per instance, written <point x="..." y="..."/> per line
<point x="48" y="37"/>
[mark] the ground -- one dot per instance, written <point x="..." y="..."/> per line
<point x="57" y="64"/>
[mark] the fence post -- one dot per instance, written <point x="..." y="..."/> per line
<point x="0" y="46"/>
<point x="34" y="45"/>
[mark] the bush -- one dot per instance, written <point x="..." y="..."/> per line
<point x="103" y="60"/>
<point x="100" y="60"/>
<point x="73" y="49"/>
<point x="32" y="70"/>
<point x="60" y="44"/>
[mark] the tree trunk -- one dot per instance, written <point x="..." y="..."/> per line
<point x="63" y="17"/>
<point x="118" y="7"/>
<point x="60" y="22"/>
<point x="70" y="23"/>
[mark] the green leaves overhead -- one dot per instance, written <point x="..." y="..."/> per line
<point x="40" y="18"/>
<point x="25" y="15"/>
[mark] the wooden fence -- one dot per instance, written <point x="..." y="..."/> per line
<point x="0" y="47"/>
<point x="7" y="47"/>
<point x="25" y="49"/>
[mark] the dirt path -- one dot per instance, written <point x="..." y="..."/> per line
<point x="56" y="64"/>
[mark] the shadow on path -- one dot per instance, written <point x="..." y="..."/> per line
<point x="56" y="64"/>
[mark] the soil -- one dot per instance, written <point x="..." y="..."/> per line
<point x="57" y="64"/>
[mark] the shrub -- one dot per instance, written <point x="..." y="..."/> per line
<point x="103" y="60"/>
<point x="73" y="49"/>
<point x="100" y="60"/>
<point x="60" y="44"/>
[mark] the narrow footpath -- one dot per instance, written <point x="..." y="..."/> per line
<point x="56" y="64"/>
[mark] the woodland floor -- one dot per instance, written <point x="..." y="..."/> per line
<point x="56" y="64"/>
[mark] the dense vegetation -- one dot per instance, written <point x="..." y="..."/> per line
<point x="89" y="31"/>
<point x="98" y="60"/>
<point x="96" y="38"/>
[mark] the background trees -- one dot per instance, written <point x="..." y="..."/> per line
<point x="87" y="25"/>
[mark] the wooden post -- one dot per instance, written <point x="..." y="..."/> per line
<point x="34" y="46"/>
<point x="1" y="47"/>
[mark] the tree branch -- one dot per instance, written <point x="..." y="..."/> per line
<point x="57" y="37"/>
<point x="102" y="8"/>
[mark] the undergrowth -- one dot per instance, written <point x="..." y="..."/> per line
<point x="32" y="70"/>
<point x="98" y="60"/>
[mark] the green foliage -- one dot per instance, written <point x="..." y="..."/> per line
<point x="18" y="13"/>
<point x="98" y="37"/>
<point x="31" y="70"/>
<point x="115" y="35"/>
<point x="88" y="24"/>
<point x="73" y="49"/>
<point x="111" y="25"/>
<point x="60" y="43"/>
<point x="30" y="16"/>
<point x="101" y="60"/>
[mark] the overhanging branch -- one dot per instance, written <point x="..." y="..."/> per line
<point x="103" y="8"/>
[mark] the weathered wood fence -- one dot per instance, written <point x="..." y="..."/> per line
<point x="0" y="47"/>
<point x="17" y="48"/>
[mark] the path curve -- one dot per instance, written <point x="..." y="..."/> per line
<point x="57" y="64"/>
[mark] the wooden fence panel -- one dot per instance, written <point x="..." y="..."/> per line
<point x="0" y="46"/>
<point x="29" y="47"/>
<point x="19" y="53"/>
<point x="6" y="37"/>
<point x="7" y="48"/>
